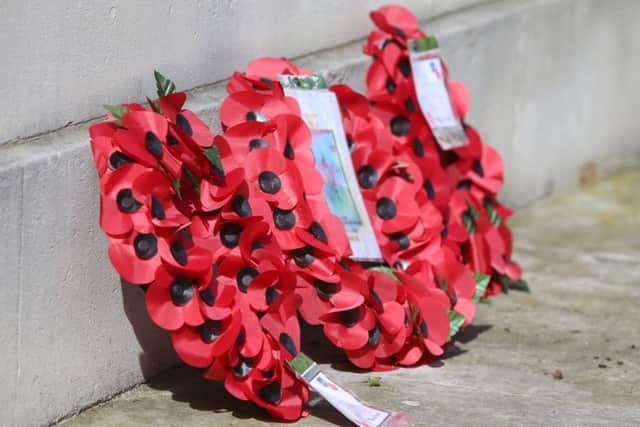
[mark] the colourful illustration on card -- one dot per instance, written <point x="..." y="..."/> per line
<point x="336" y="189"/>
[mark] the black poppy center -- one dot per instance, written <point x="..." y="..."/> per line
<point x="172" y="140"/>
<point x="454" y="298"/>
<point x="288" y="344"/>
<point x="255" y="116"/>
<point x="391" y="86"/>
<point x="267" y="82"/>
<point x="464" y="184"/>
<point x="410" y="105"/>
<point x="211" y="330"/>
<point x="405" y="67"/>
<point x="399" y="126"/>
<point x="269" y="182"/>
<point x="477" y="168"/>
<point x="418" y="148"/>
<point x="126" y="202"/>
<point x="145" y="246"/>
<point x="157" y="211"/>
<point x="367" y="176"/>
<point x="117" y="159"/>
<point x="271" y="393"/>
<point x="284" y="220"/>
<point x="241" y="206"/>
<point x="208" y="297"/>
<point x="245" y="276"/>
<point x="181" y="291"/>
<point x="428" y="187"/>
<point x="153" y="144"/>
<point x="325" y="290"/>
<point x="350" y="317"/>
<point x="257" y="143"/>
<point x="318" y="232"/>
<point x="243" y="368"/>
<point x="179" y="252"/>
<point x="424" y="330"/>
<point x="271" y="295"/>
<point x="303" y="257"/>
<point x="350" y="142"/>
<point x="385" y="208"/>
<point x="230" y="234"/>
<point x="184" y="124"/>
<point x="374" y="335"/>
<point x="288" y="151"/>
<point x="401" y="239"/>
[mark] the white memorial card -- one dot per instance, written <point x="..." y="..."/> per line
<point x="432" y="94"/>
<point x="321" y="112"/>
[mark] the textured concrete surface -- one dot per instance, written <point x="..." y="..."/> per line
<point x="73" y="335"/>
<point x="61" y="60"/>
<point x="566" y="354"/>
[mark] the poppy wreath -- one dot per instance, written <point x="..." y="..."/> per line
<point x="184" y="222"/>
<point x="453" y="193"/>
<point x="229" y="243"/>
<point x="380" y="320"/>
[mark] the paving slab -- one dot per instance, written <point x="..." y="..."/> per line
<point x="568" y="353"/>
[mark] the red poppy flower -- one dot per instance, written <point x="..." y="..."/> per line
<point x="138" y="256"/>
<point x="171" y="106"/>
<point x="122" y="202"/>
<point x="105" y="153"/>
<point x="389" y="332"/>
<point x="273" y="178"/>
<point x="248" y="136"/>
<point x="215" y="194"/>
<point x="396" y="20"/>
<point x="460" y="98"/>
<point x="145" y="140"/>
<point x="326" y="233"/>
<point x="198" y="346"/>
<point x="400" y="123"/>
<point x="456" y="279"/>
<point x="342" y="291"/>
<point x="293" y="138"/>
<point x="173" y="300"/>
<point x="431" y="321"/>
<point x="394" y="208"/>
<point x="241" y="107"/>
<point x="370" y="165"/>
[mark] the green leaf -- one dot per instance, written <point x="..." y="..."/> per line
<point x="213" y="155"/>
<point x="164" y="85"/>
<point x="374" y="381"/>
<point x="492" y="213"/>
<point x="193" y="179"/>
<point x="118" y="111"/>
<point x="455" y="322"/>
<point x="482" y="281"/>
<point x="517" y="285"/>
<point x="154" y="106"/>
<point x="386" y="270"/>
<point x="469" y="223"/>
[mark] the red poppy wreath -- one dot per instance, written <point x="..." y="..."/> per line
<point x="392" y="141"/>
<point x="231" y="244"/>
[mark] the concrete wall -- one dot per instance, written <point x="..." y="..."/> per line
<point x="63" y="59"/>
<point x="552" y="83"/>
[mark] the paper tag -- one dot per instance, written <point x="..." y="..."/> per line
<point x="321" y="112"/>
<point x="345" y="402"/>
<point x="432" y="94"/>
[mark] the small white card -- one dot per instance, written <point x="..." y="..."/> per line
<point x="432" y="94"/>
<point x="321" y="112"/>
<point x="358" y="412"/>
